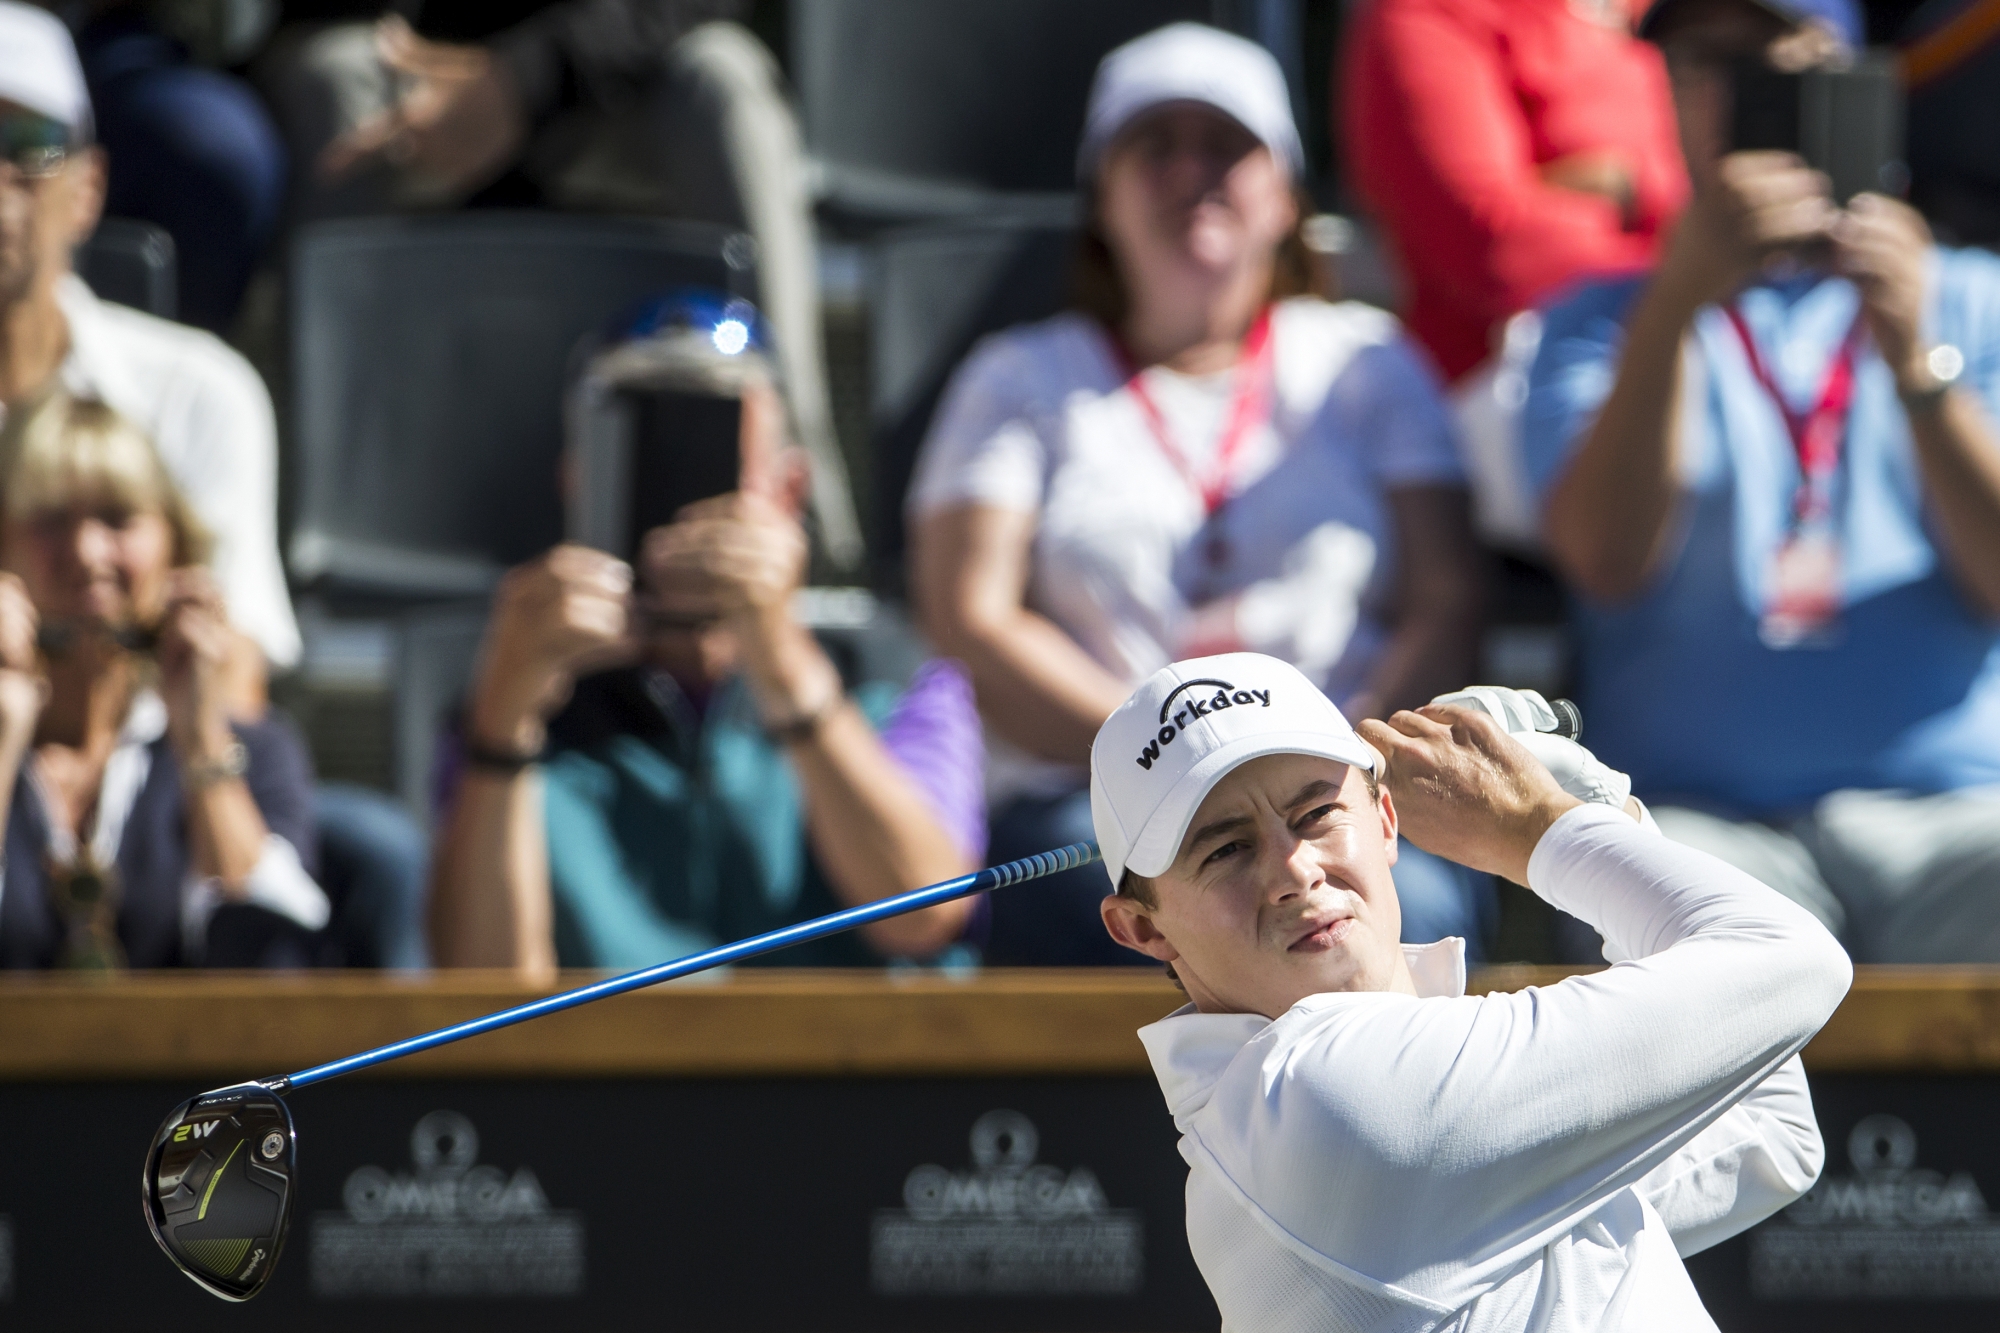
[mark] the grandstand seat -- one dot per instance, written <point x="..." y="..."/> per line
<point x="131" y="262"/>
<point x="913" y="110"/>
<point x="936" y="290"/>
<point x="429" y="357"/>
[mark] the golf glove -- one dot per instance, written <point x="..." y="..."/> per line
<point x="1528" y="718"/>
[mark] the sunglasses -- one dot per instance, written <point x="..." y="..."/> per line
<point x="36" y="145"/>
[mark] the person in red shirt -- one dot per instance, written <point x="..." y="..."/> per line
<point x="1506" y="147"/>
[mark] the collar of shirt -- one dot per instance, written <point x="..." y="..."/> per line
<point x="90" y="368"/>
<point x="1190" y="1049"/>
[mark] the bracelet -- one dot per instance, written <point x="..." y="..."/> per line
<point x="504" y="762"/>
<point x="233" y="762"/>
<point x="805" y="726"/>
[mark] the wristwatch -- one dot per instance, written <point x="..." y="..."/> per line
<point x="1943" y="364"/>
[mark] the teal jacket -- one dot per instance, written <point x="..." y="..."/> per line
<point x="672" y="831"/>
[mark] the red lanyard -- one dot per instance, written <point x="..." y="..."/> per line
<point x="1818" y="434"/>
<point x="1250" y="407"/>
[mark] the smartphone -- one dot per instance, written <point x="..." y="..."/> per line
<point x="640" y="454"/>
<point x="1847" y="123"/>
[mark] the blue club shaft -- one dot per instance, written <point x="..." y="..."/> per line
<point x="979" y="881"/>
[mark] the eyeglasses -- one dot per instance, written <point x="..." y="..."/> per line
<point x="36" y="145"/>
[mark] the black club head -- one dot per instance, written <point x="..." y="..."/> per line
<point x="219" y="1185"/>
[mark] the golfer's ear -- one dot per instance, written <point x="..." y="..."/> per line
<point x="1389" y="822"/>
<point x="1130" y="926"/>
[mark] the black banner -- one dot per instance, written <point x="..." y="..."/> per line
<point x="755" y="1206"/>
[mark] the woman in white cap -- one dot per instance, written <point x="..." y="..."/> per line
<point x="1198" y="457"/>
<point x="1368" y="1146"/>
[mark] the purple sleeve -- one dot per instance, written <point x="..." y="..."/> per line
<point x="934" y="733"/>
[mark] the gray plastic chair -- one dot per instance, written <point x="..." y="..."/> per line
<point x="914" y="110"/>
<point x="429" y="356"/>
<point x="133" y="263"/>
<point x="936" y="291"/>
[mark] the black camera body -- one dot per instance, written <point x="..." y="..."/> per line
<point x="1847" y="122"/>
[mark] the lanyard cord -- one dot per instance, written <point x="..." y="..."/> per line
<point x="1250" y="407"/>
<point x="1818" y="434"/>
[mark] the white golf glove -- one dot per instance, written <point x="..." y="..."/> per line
<point x="1527" y="716"/>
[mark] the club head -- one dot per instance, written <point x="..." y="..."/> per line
<point x="218" y="1187"/>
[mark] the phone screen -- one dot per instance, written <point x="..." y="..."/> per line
<point x="684" y="447"/>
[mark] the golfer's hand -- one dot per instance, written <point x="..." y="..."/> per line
<point x="456" y="125"/>
<point x="1466" y="790"/>
<point x="554" y="619"/>
<point x="23" y="688"/>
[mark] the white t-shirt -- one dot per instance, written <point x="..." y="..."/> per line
<point x="210" y="417"/>
<point x="1300" y="561"/>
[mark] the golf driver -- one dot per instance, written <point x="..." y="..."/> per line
<point x="219" y="1179"/>
<point x="222" y="1170"/>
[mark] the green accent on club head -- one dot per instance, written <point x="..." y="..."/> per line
<point x="217" y="1256"/>
<point x="213" y="1177"/>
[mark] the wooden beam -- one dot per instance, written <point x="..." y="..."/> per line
<point x="223" y="1026"/>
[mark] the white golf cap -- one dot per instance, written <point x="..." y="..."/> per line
<point x="1190" y="62"/>
<point x="38" y="66"/>
<point x="1181" y="732"/>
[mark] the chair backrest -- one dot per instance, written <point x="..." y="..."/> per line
<point x="131" y="262"/>
<point x="936" y="291"/>
<point x="919" y="109"/>
<point x="429" y="357"/>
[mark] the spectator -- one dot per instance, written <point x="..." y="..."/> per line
<point x="1195" y="459"/>
<point x="202" y="406"/>
<point x="200" y="403"/>
<point x="651" y="772"/>
<point x="1507" y="147"/>
<point x="630" y="106"/>
<point x="191" y="148"/>
<point x="1770" y="470"/>
<point x="146" y="828"/>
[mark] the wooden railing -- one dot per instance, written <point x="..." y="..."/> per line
<point x="233" y="1025"/>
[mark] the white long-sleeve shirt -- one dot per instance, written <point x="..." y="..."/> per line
<point x="1529" y="1161"/>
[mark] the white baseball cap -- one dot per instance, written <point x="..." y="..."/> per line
<point x="1165" y="748"/>
<point x="1190" y="62"/>
<point x="39" y="69"/>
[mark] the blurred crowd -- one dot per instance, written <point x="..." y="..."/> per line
<point x="1750" y="427"/>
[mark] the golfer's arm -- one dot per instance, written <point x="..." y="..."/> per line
<point x="1607" y="518"/>
<point x="1721" y="981"/>
<point x="1037" y="688"/>
<point x="874" y="833"/>
<point x="490" y="903"/>
<point x="1759" y="1155"/>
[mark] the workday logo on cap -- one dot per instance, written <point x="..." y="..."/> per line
<point x="1193" y="707"/>
<point x="1165" y="748"/>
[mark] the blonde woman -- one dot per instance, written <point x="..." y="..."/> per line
<point x="146" y="828"/>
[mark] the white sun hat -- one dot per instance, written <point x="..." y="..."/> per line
<point x="1181" y="732"/>
<point x="1190" y="62"/>
<point x="39" y="69"/>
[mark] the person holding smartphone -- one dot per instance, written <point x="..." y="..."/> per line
<point x="1771" y="472"/>
<point x="658" y="757"/>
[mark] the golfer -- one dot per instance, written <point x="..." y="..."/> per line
<point x="1370" y="1147"/>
